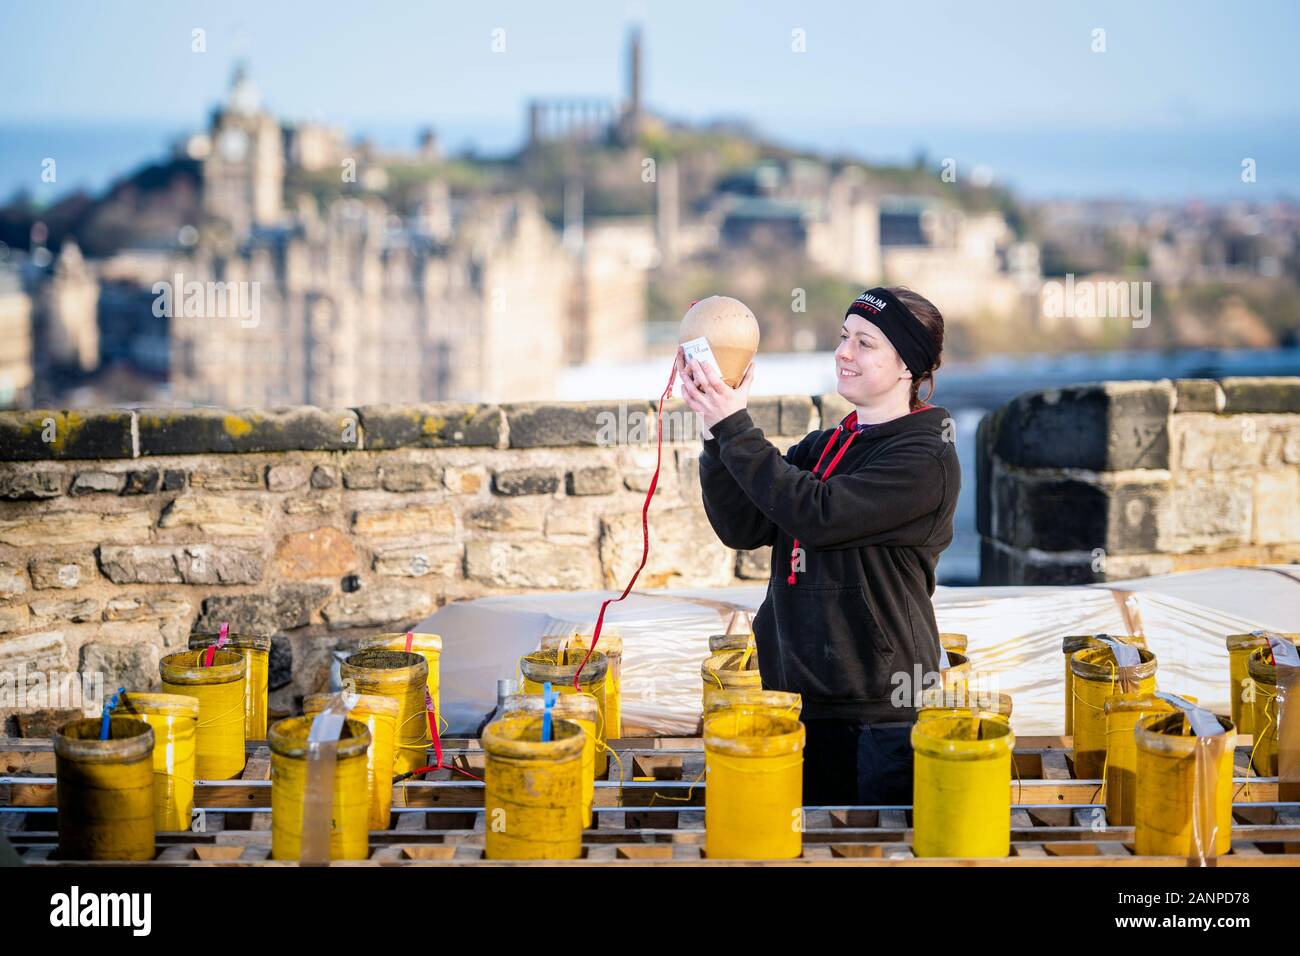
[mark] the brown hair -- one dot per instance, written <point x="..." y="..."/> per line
<point x="930" y="317"/>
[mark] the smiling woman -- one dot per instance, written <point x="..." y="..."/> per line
<point x="857" y="517"/>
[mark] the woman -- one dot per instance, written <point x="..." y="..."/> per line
<point x="857" y="516"/>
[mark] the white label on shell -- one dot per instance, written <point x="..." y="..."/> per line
<point x="697" y="350"/>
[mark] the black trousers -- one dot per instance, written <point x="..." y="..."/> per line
<point x="856" y="763"/>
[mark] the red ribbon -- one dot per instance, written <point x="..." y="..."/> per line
<point x="222" y="636"/>
<point x="850" y="422"/>
<point x="645" y="524"/>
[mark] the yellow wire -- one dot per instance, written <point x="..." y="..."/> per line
<point x="1269" y="716"/>
<point x="199" y="725"/>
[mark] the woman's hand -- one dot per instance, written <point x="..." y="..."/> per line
<point x="706" y="393"/>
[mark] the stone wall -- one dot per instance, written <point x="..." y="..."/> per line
<point x="1124" y="479"/>
<point x="121" y="532"/>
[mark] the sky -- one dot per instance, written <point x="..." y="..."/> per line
<point x="879" y="79"/>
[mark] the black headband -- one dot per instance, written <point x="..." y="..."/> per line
<point x="904" y="330"/>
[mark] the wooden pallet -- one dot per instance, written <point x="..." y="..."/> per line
<point x="651" y="810"/>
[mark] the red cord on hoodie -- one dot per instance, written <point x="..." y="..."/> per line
<point x="851" y="424"/>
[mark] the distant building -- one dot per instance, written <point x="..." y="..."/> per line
<point x="67" y="315"/>
<point x="593" y="119"/>
<point x="354" y="308"/>
<point x="968" y="264"/>
<point x="243" y="170"/>
<point x="609" y="307"/>
<point x="314" y="146"/>
<point x="16" y="371"/>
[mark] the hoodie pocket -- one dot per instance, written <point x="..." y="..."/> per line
<point x="832" y="649"/>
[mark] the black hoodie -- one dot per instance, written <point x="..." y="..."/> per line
<point x="855" y="634"/>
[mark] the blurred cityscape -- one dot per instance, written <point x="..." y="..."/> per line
<point x="271" y="262"/>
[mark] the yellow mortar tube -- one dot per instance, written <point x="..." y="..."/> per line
<point x="753" y="798"/>
<point x="219" y="747"/>
<point x="174" y="719"/>
<point x="105" y="790"/>
<point x="349" y="836"/>
<point x="532" y="799"/>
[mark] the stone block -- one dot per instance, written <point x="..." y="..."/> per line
<point x="551" y="424"/>
<point x="284" y="608"/>
<point x="55" y="528"/>
<point x="31" y="484"/>
<point x="526" y="481"/>
<point x="42" y="434"/>
<point x="181" y="564"/>
<point x="97" y="482"/>
<point x="504" y="516"/>
<point x="469" y="480"/>
<point x="531" y="564"/>
<point x="684" y="551"/>
<point x="1109" y="426"/>
<point x="72" y="571"/>
<point x="378" y="605"/>
<point x="1198" y="395"/>
<point x="423" y="519"/>
<point x="597" y="480"/>
<point x="1261" y="394"/>
<point x="286" y="477"/>
<point x="442" y="560"/>
<point x="438" y="425"/>
<point x="1276" y="511"/>
<point x="410" y="476"/>
<point x="214" y="515"/>
<point x="319" y="553"/>
<point x="142" y="481"/>
<point x="196" y="431"/>
<point x="133" y="666"/>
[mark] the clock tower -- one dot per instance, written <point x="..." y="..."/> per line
<point x="243" y="171"/>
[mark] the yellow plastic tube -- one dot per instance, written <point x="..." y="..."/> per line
<point x="401" y="677"/>
<point x="1166" y="778"/>
<point x="956" y="676"/>
<point x="1123" y="711"/>
<point x="219" y="745"/>
<point x="428" y="646"/>
<point x="612" y="647"/>
<point x="776" y="703"/>
<point x="952" y="642"/>
<point x="559" y="669"/>
<point x="753" y="798"/>
<point x="349" y="837"/>
<point x="174" y="719"/>
<point x="255" y="649"/>
<point x="379" y="714"/>
<point x="1076" y="642"/>
<point x="532" y="796"/>
<point x="1263" y="710"/>
<point x="961" y="787"/>
<point x="966" y="699"/>
<point x="729" y="670"/>
<point x="581" y="711"/>
<point x="1097" y="678"/>
<point x="731" y="642"/>
<point x="1242" y="693"/>
<point x="105" y="790"/>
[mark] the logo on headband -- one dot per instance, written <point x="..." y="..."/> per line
<point x="873" y="302"/>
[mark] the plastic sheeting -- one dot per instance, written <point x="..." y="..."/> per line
<point x="1014" y="636"/>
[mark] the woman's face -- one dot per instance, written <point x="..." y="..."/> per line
<point x="867" y="366"/>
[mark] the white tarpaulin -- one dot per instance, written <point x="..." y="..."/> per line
<point x="1014" y="637"/>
